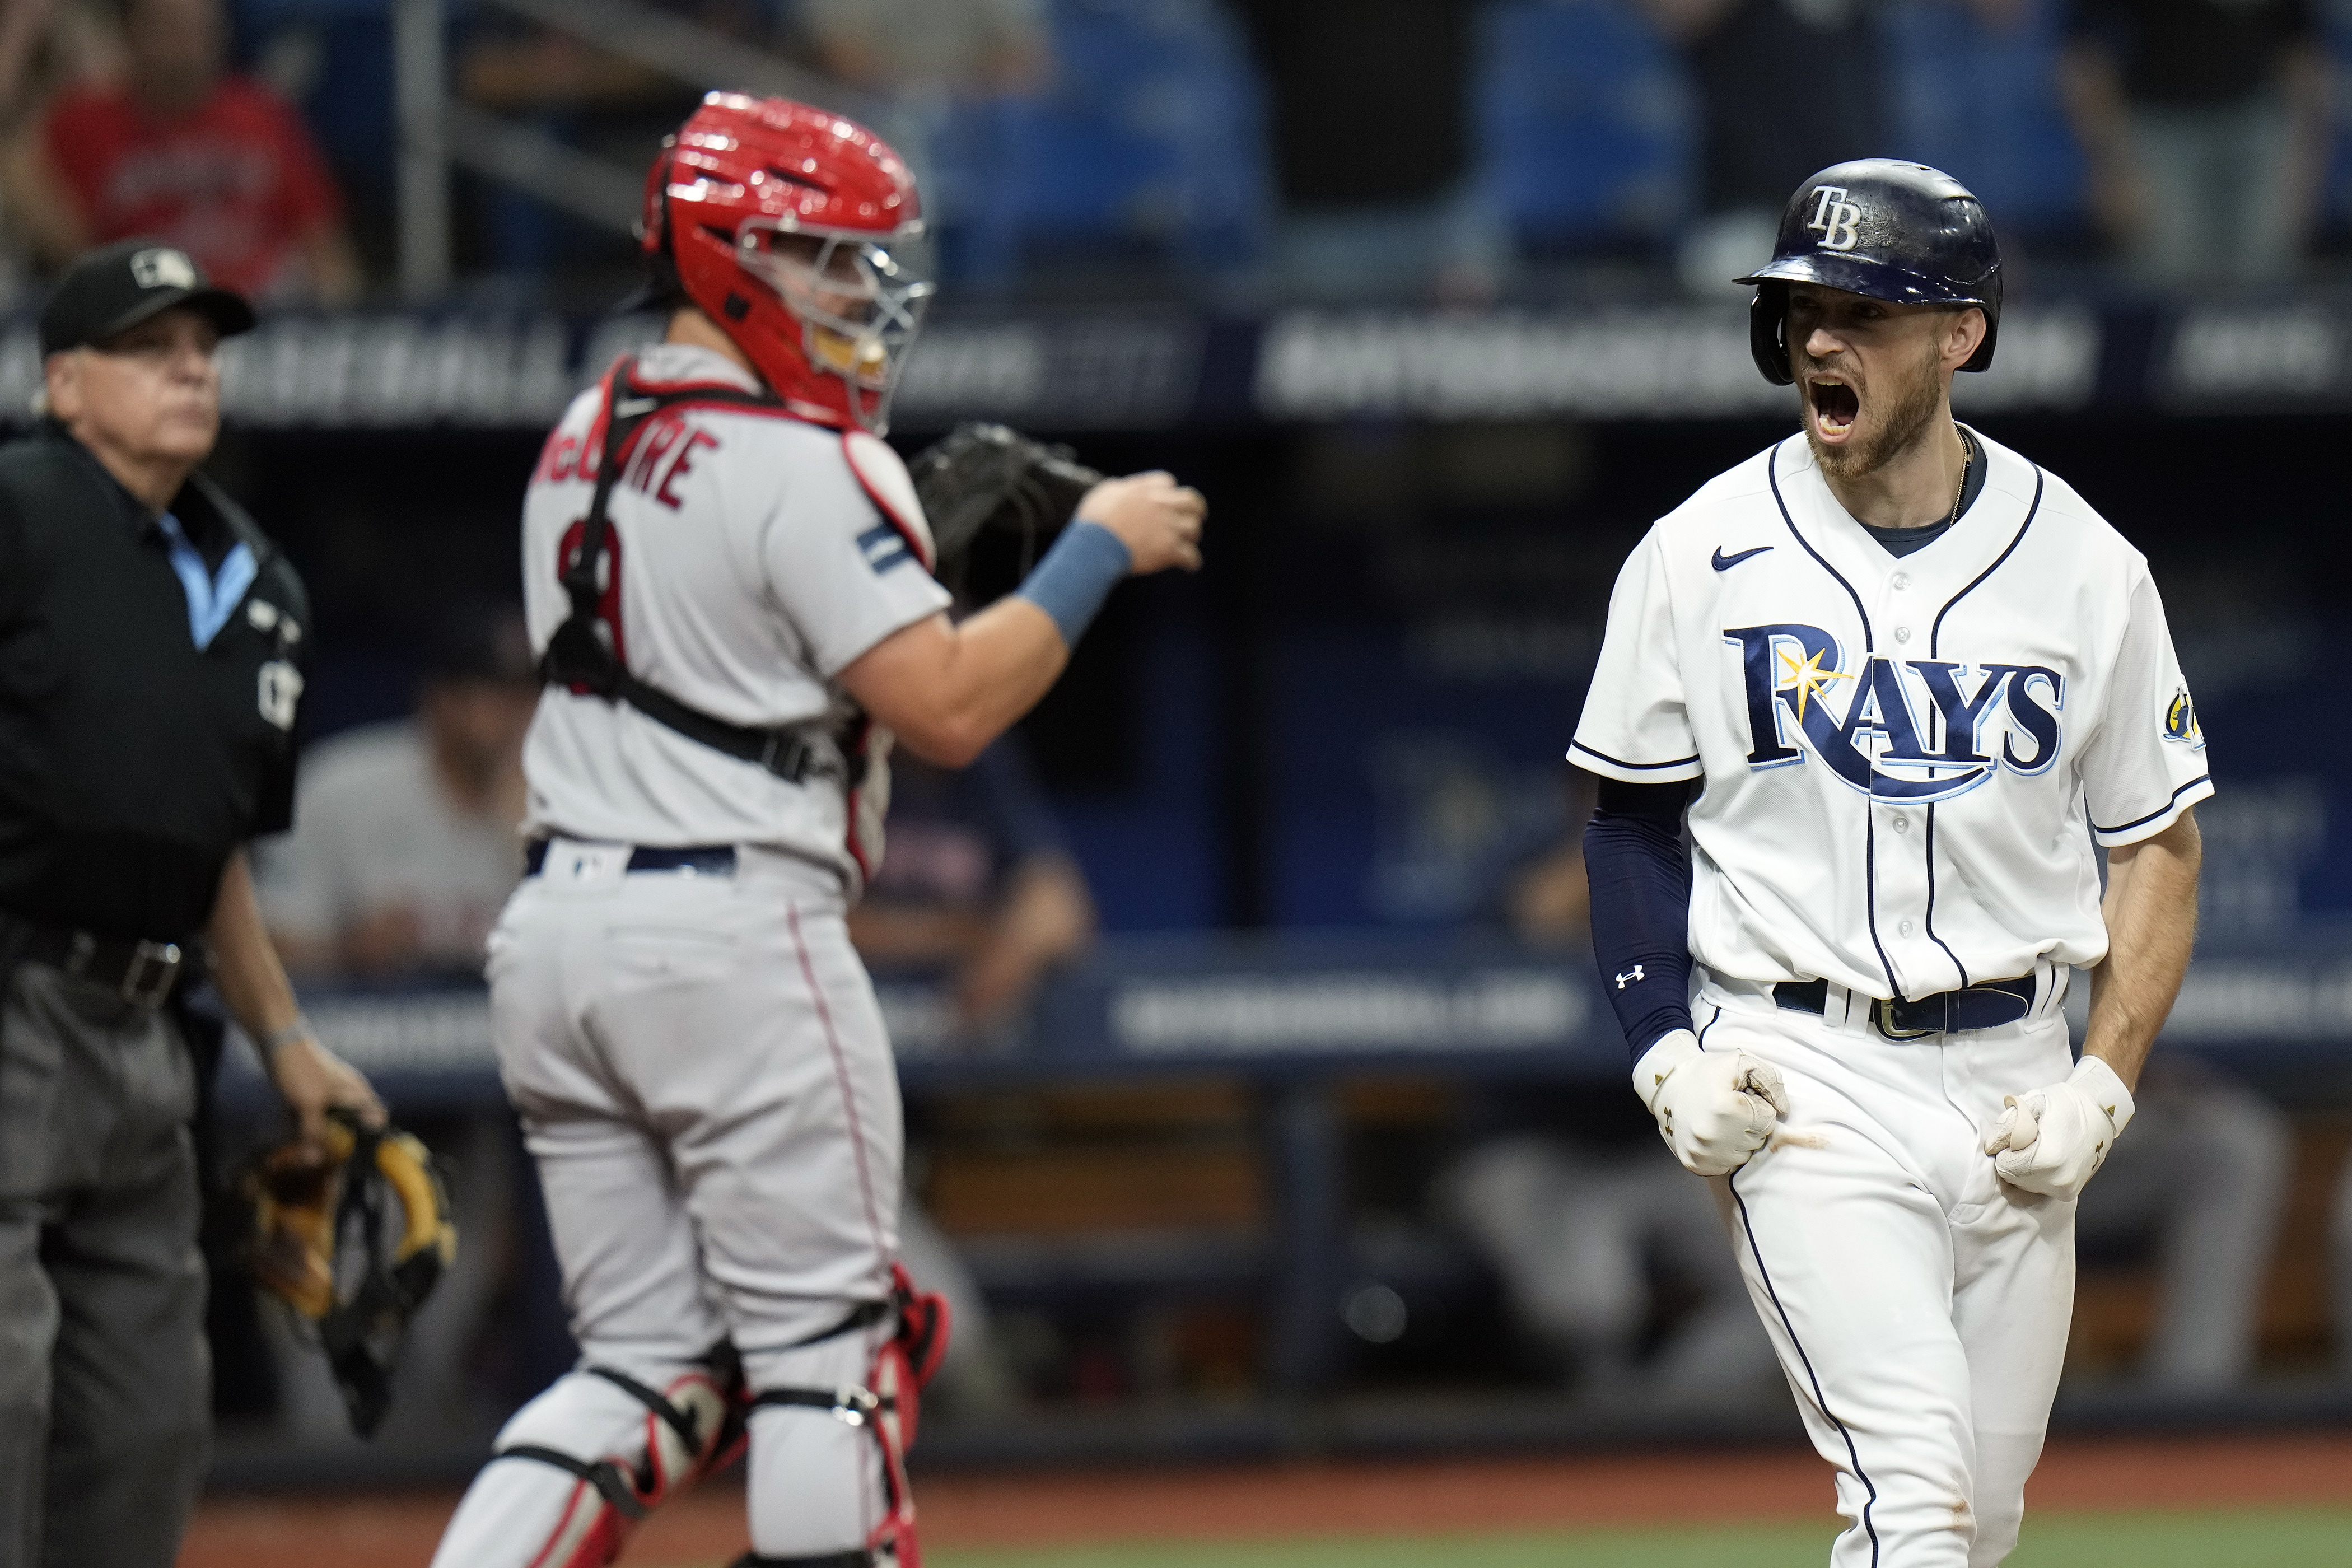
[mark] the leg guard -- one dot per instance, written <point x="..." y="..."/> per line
<point x="886" y="1406"/>
<point x="581" y="1464"/>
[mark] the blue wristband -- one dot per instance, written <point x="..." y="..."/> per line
<point x="1077" y="575"/>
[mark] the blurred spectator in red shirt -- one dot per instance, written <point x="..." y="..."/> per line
<point x="181" y="150"/>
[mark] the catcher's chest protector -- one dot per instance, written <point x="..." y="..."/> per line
<point x="584" y="655"/>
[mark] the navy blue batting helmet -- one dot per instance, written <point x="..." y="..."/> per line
<point x="1895" y="231"/>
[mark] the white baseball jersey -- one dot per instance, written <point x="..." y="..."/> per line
<point x="756" y="556"/>
<point x="1898" y="755"/>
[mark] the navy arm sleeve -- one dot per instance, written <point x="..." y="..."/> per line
<point x="1640" y="873"/>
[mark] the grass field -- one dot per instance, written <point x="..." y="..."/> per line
<point x="2229" y="1539"/>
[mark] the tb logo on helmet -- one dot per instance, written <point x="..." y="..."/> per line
<point x="1836" y="219"/>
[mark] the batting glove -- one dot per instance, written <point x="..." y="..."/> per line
<point x="2053" y="1140"/>
<point x="1713" y="1107"/>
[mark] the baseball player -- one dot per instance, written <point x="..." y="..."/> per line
<point x="1908" y="692"/>
<point x="730" y="576"/>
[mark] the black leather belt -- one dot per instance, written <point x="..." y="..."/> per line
<point x="704" y="859"/>
<point x="140" y="971"/>
<point x="1987" y="1004"/>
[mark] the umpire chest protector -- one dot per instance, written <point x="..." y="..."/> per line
<point x="134" y="760"/>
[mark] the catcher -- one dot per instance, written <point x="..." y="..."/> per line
<point x="734" y="583"/>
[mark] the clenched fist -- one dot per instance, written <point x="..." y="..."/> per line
<point x="2053" y="1140"/>
<point x="1713" y="1107"/>
<point x="1157" y="519"/>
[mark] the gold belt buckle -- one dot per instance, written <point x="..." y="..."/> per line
<point x="1882" y="1016"/>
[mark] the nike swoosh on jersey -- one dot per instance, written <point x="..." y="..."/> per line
<point x="1723" y="562"/>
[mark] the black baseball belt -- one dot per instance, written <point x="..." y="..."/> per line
<point x="139" y="971"/>
<point x="1987" y="1005"/>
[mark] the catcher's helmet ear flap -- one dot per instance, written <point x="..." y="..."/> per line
<point x="320" y="1243"/>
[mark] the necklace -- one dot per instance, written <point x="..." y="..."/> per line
<point x="1960" y="491"/>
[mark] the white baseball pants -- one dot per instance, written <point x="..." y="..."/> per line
<point x="706" y="1086"/>
<point x="1919" y="1308"/>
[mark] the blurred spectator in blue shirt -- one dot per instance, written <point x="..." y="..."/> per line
<point x="976" y="886"/>
<point x="2205" y="125"/>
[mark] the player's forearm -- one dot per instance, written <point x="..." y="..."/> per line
<point x="2151" y="915"/>
<point x="948" y="690"/>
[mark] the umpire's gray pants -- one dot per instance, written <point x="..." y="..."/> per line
<point x="105" y="1410"/>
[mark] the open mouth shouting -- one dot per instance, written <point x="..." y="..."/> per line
<point x="1835" y="407"/>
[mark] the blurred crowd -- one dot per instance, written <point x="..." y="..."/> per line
<point x="1453" y="149"/>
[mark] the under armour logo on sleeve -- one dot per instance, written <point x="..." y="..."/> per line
<point x="1633" y="973"/>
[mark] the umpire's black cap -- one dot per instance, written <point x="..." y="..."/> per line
<point x="1880" y="226"/>
<point x="114" y="287"/>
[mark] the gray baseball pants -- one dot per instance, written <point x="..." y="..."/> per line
<point x="105" y="1382"/>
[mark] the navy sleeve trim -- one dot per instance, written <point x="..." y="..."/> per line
<point x="1631" y="767"/>
<point x="2169" y="802"/>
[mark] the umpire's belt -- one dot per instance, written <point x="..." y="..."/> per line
<point x="1987" y="1004"/>
<point x="140" y="971"/>
<point x="703" y="860"/>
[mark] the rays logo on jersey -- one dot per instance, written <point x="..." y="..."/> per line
<point x="2180" y="721"/>
<point x="1908" y="731"/>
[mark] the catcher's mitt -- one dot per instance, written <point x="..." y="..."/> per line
<point x="992" y="476"/>
<point x="322" y="1245"/>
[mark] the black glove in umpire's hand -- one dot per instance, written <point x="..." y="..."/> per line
<point x="992" y="476"/>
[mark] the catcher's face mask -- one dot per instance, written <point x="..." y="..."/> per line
<point x="859" y="306"/>
<point x="353" y="1238"/>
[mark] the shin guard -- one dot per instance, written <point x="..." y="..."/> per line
<point x="886" y="1407"/>
<point x="579" y="1465"/>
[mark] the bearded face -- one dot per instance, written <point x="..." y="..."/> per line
<point x="1870" y="375"/>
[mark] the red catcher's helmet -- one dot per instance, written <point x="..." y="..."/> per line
<point x="777" y="220"/>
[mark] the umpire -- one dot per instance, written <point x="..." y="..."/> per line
<point x="151" y="643"/>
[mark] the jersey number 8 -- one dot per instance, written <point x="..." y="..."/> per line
<point x="608" y="588"/>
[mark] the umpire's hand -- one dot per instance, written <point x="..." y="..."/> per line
<point x="312" y="1080"/>
<point x="1157" y="519"/>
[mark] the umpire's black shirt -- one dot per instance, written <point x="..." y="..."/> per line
<point x="133" y="764"/>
